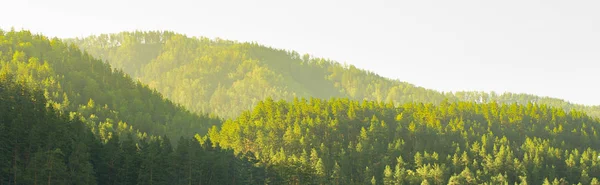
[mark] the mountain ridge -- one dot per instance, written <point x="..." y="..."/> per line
<point x="475" y="138"/>
<point x="105" y="98"/>
<point x="226" y="77"/>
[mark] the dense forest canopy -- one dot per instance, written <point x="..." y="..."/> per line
<point x="105" y="98"/>
<point x="69" y="118"/>
<point x="340" y="141"/>
<point x="227" y="77"/>
<point x="41" y="146"/>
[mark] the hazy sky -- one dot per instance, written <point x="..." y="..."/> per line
<point x="543" y="47"/>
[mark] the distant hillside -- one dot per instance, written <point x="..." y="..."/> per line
<point x="75" y="83"/>
<point x="227" y="77"/>
<point x="520" y="98"/>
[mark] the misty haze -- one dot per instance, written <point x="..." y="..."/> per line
<point x="306" y="92"/>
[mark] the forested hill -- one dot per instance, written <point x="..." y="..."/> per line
<point x="340" y="141"/>
<point x="81" y="86"/>
<point x="524" y="99"/>
<point x="41" y="146"/>
<point x="68" y="118"/>
<point x="227" y="77"/>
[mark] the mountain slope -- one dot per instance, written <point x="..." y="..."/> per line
<point x="78" y="84"/>
<point x="227" y="77"/>
<point x="35" y="140"/>
<point x="41" y="146"/>
<point x="524" y="99"/>
<point x="340" y="141"/>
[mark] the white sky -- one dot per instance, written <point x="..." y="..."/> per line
<point x="543" y="47"/>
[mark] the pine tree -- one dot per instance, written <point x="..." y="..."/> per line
<point x="336" y="174"/>
<point x="584" y="178"/>
<point x="80" y="169"/>
<point x="131" y="161"/>
<point x="320" y="171"/>
<point x="388" y="176"/>
<point x="373" y="181"/>
<point x="367" y="174"/>
<point x="594" y="181"/>
<point x="546" y="182"/>
<point x="54" y="170"/>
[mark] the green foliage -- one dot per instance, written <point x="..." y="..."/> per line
<point x="40" y="146"/>
<point x="450" y="143"/>
<point x="105" y="99"/>
<point x="227" y="77"/>
<point x="67" y="118"/>
<point x="524" y="99"/>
